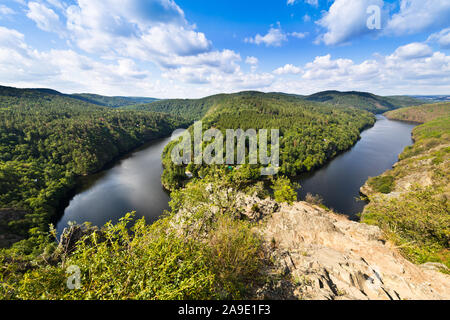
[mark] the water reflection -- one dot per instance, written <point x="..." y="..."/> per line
<point x="339" y="181"/>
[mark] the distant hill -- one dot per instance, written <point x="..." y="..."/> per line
<point x="422" y="113"/>
<point x="104" y="101"/>
<point x="114" y="102"/>
<point x="196" y="108"/>
<point x="433" y="98"/>
<point x="364" y="100"/>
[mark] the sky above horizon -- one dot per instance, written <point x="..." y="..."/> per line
<point x="195" y="48"/>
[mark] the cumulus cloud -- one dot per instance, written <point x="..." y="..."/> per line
<point x="251" y="60"/>
<point x="288" y="69"/>
<point x="155" y="31"/>
<point x="345" y="20"/>
<point x="274" y="37"/>
<point x="413" y="51"/>
<point x="409" y="69"/>
<point x="442" y="37"/>
<point x="133" y="27"/>
<point x="23" y="65"/>
<point x="45" y="18"/>
<point x="419" y="15"/>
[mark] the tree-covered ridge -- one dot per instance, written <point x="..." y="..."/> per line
<point x="192" y="109"/>
<point x="47" y="140"/>
<point x="422" y="113"/>
<point x="411" y="201"/>
<point x="195" y="109"/>
<point x="114" y="102"/>
<point x="311" y="133"/>
<point x="364" y="100"/>
<point x="104" y="101"/>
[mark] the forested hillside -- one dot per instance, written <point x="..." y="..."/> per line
<point x="311" y="133"/>
<point x="363" y="100"/>
<point x="422" y="113"/>
<point x="195" y="109"/>
<point x="411" y="201"/>
<point x="114" y="102"/>
<point x="48" y="139"/>
<point x="104" y="101"/>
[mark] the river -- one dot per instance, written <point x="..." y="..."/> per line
<point x="133" y="183"/>
<point x="339" y="181"/>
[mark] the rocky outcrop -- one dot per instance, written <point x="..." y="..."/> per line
<point x="321" y="255"/>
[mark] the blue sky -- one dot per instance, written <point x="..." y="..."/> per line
<point x="194" y="48"/>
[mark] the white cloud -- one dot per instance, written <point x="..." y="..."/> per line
<point x="251" y="60"/>
<point x="345" y="20"/>
<point x="310" y="2"/>
<point x="274" y="37"/>
<point x="22" y="65"/>
<point x="45" y="18"/>
<point x="134" y="28"/>
<point x="288" y="69"/>
<point x="419" y="15"/>
<point x="69" y="71"/>
<point x="413" y="51"/>
<point x="442" y="37"/>
<point x="314" y="3"/>
<point x="299" y="35"/>
<point x="411" y="69"/>
<point x="6" y="11"/>
<point x="160" y="35"/>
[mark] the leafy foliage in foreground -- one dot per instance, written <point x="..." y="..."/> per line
<point x="48" y="139"/>
<point x="284" y="190"/>
<point x="221" y="260"/>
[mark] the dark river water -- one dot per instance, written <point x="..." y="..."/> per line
<point x="133" y="183"/>
<point x="340" y="180"/>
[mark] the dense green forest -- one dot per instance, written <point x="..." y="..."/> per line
<point x="104" y="101"/>
<point x="114" y="102"/>
<point x="48" y="139"/>
<point x="195" y="109"/>
<point x="311" y="133"/>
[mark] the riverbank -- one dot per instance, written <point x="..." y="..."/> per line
<point x="410" y="202"/>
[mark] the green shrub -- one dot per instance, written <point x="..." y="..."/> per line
<point x="236" y="256"/>
<point x="383" y="184"/>
<point x="284" y="190"/>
